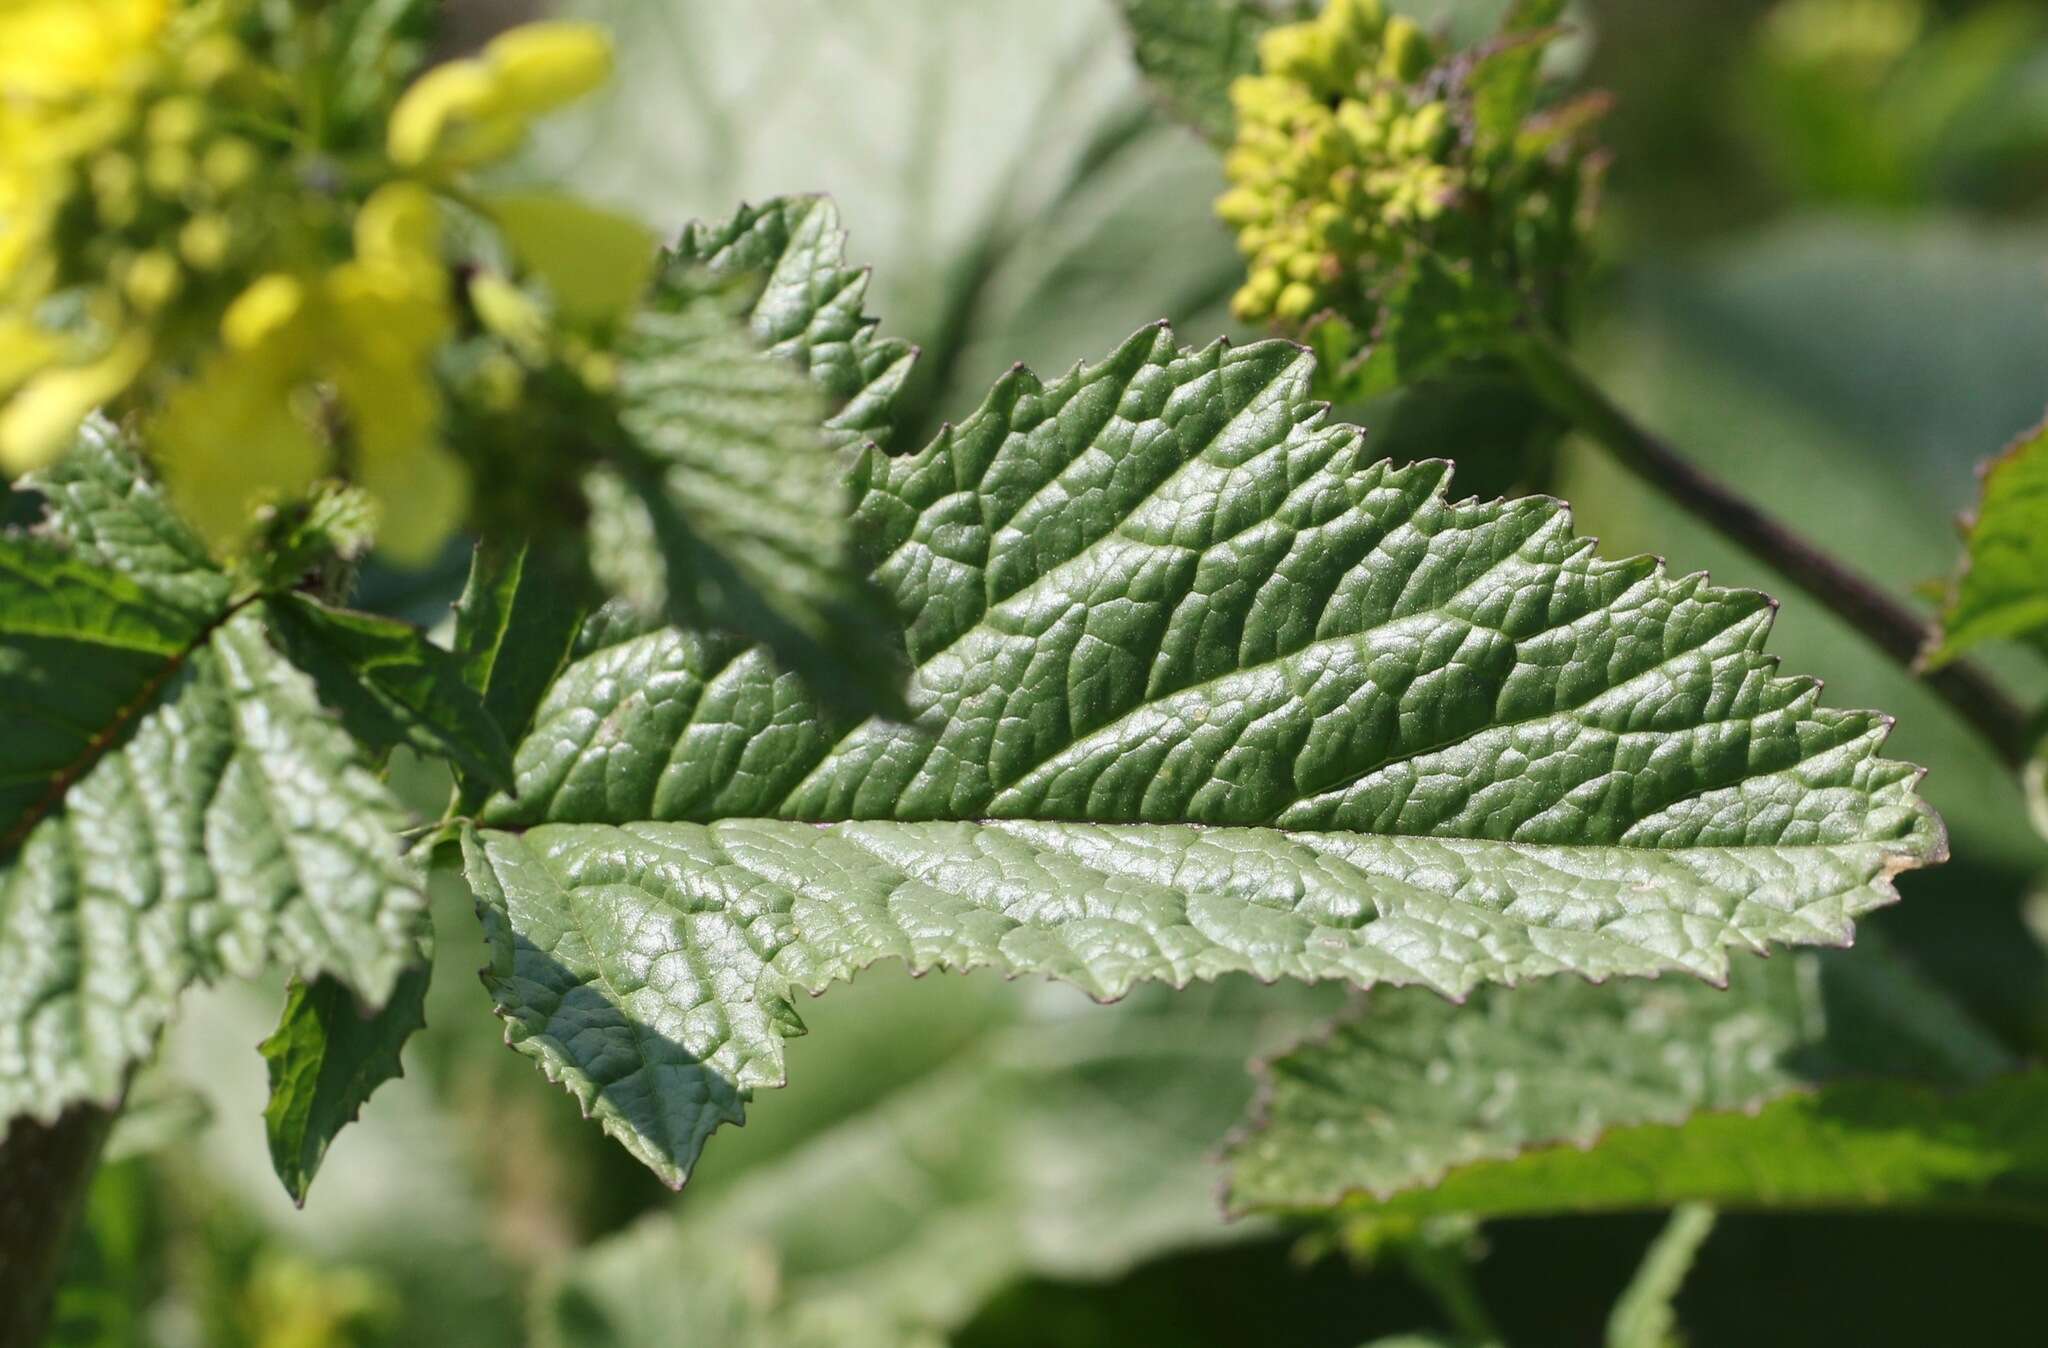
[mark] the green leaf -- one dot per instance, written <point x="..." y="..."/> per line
<point x="82" y="648"/>
<point x="1420" y="740"/>
<point x="1073" y="1143"/>
<point x="1503" y="74"/>
<point x="390" y="685"/>
<point x="2003" y="588"/>
<point x="326" y="1057"/>
<point x="1645" y="1317"/>
<point x="1190" y="51"/>
<point x="804" y="303"/>
<point x="515" y="624"/>
<point x="102" y="501"/>
<point x="743" y="499"/>
<point x="1413" y="1106"/>
<point x="1855" y="1144"/>
<point x="231" y="827"/>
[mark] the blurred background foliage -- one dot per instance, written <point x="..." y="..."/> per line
<point x="1825" y="272"/>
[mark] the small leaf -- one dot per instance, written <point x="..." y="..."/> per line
<point x="1199" y="688"/>
<point x="515" y="624"/>
<point x="1190" y="51"/>
<point x="326" y="1057"/>
<point x="392" y="686"/>
<point x="1503" y="75"/>
<point x="2002" y="591"/>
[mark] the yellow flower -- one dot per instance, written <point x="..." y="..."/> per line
<point x="45" y="412"/>
<point x="55" y="49"/>
<point x="253" y="428"/>
<point x="470" y="112"/>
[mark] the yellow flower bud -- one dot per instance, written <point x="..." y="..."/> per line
<point x="400" y="224"/>
<point x="211" y="59"/>
<point x="1405" y="51"/>
<point x="113" y="178"/>
<point x="168" y="170"/>
<point x="262" y="310"/>
<point x="204" y="241"/>
<point x="498" y="382"/>
<point x="228" y="163"/>
<point x="540" y="66"/>
<point x="39" y="420"/>
<point x="1295" y="301"/>
<point x="507" y="314"/>
<point x="445" y="101"/>
<point x="151" y="279"/>
<point x="174" y="121"/>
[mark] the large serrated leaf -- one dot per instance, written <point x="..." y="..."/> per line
<point x="1200" y="688"/>
<point x="1408" y="1089"/>
<point x="805" y="303"/>
<point x="230" y="828"/>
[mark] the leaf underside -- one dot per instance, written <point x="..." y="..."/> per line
<point x="1374" y="1113"/>
<point x="1199" y="688"/>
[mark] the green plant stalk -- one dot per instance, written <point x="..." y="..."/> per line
<point x="1444" y="1272"/>
<point x="1886" y="622"/>
<point x="45" y="1170"/>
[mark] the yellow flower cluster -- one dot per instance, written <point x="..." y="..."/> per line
<point x="1337" y="156"/>
<point x="177" y="239"/>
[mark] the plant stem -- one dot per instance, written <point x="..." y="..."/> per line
<point x="45" y="1170"/>
<point x="1890" y="625"/>
<point x="1443" y="1271"/>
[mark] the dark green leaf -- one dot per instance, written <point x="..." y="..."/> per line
<point x="1074" y="1144"/>
<point x="804" y="303"/>
<point x="514" y="627"/>
<point x="83" y="650"/>
<point x="744" y="499"/>
<point x="326" y="1057"/>
<point x="392" y="686"/>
